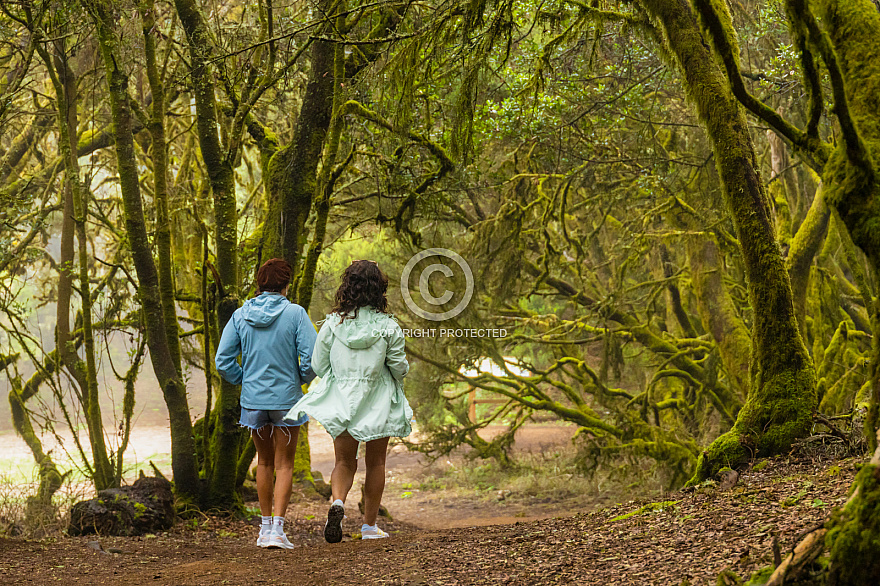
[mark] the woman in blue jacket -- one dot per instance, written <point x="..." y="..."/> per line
<point x="275" y="339"/>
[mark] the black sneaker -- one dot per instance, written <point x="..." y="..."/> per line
<point x="333" y="528"/>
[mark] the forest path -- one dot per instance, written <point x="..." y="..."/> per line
<point x="702" y="533"/>
<point x="406" y="471"/>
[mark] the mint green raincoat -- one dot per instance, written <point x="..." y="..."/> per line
<point x="361" y="362"/>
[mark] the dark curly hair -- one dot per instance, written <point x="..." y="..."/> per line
<point x="363" y="284"/>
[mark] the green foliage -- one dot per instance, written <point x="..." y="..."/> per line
<point x="607" y="232"/>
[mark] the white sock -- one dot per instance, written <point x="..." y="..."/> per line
<point x="338" y="502"/>
<point x="266" y="525"/>
<point x="366" y="527"/>
<point x="279" y="525"/>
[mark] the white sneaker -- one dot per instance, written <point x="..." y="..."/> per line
<point x="278" y="541"/>
<point x="368" y="532"/>
<point x="263" y="539"/>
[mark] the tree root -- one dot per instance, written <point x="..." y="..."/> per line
<point x="797" y="561"/>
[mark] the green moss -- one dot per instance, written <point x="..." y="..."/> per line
<point x="302" y="464"/>
<point x="87" y="137"/>
<point x="726" y="451"/>
<point x="830" y="368"/>
<point x="760" y="577"/>
<point x="727" y="578"/>
<point x="854" y="31"/>
<point x="804" y="247"/>
<point x="760" y="465"/>
<point x="863" y="396"/>
<point x="660" y="506"/>
<point x="772" y="418"/>
<point x="782" y="393"/>
<point x="854" y="534"/>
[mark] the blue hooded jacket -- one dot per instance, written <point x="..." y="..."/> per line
<point x="275" y="339"/>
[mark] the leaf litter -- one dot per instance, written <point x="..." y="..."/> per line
<point x="687" y="538"/>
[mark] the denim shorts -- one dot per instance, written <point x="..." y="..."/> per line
<point x="259" y="418"/>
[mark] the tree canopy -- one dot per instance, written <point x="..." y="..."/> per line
<point x="671" y="209"/>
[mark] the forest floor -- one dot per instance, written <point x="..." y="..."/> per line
<point x="441" y="533"/>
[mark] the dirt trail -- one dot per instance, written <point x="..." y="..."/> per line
<point x="694" y="535"/>
<point x="441" y="510"/>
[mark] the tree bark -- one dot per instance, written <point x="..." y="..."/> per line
<point x="854" y="531"/>
<point x="804" y="247"/>
<point x="225" y="434"/>
<point x="22" y="144"/>
<point x="718" y="312"/>
<point x="84" y="371"/>
<point x="850" y="44"/>
<point x="50" y="477"/>
<point x="291" y="173"/>
<point x="782" y="392"/>
<point x="159" y="154"/>
<point x="324" y="183"/>
<point x="183" y="461"/>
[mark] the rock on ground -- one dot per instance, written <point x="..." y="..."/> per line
<point x="147" y="506"/>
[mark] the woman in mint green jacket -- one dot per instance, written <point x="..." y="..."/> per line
<point x="360" y="357"/>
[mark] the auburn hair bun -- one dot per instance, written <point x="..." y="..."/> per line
<point x="274" y="275"/>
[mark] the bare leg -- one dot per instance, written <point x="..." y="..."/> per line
<point x="374" y="484"/>
<point x="265" y="445"/>
<point x="342" y="478"/>
<point x="285" y="453"/>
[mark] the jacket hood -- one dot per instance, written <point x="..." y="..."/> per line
<point x="362" y="331"/>
<point x="264" y="309"/>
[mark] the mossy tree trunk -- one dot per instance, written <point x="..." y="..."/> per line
<point x="674" y="304"/>
<point x="19" y="395"/>
<point x="159" y="155"/>
<point x="715" y="306"/>
<point x="854" y="532"/>
<point x="183" y="460"/>
<point x="291" y="172"/>
<point x="20" y="149"/>
<point x="718" y="312"/>
<point x="782" y="392"/>
<point x="849" y="44"/>
<point x="845" y="35"/>
<point x="225" y="435"/>
<point x="804" y="247"/>
<point x="301" y="187"/>
<point x="76" y="203"/>
<point x="323" y="187"/>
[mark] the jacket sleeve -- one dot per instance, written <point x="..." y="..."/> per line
<point x="305" y="343"/>
<point x="395" y="355"/>
<point x="227" y="354"/>
<point x="321" y="355"/>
